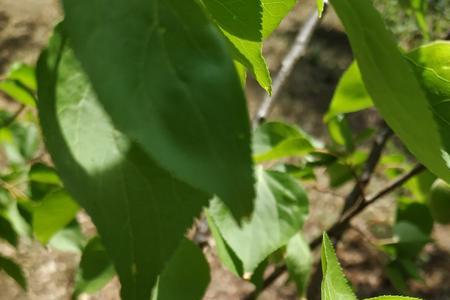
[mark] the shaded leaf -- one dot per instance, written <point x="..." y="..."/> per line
<point x="299" y="262"/>
<point x="95" y="269"/>
<point x="7" y="231"/>
<point x="166" y="80"/>
<point x="131" y="200"/>
<point x="13" y="270"/>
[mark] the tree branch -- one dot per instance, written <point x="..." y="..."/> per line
<point x="297" y="51"/>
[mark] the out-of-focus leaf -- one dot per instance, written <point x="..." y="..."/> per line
<point x="20" y="84"/>
<point x="7" y="231"/>
<point x="411" y="239"/>
<point x="42" y="180"/>
<point x="281" y="207"/>
<point x="275" y="140"/>
<point x="69" y="239"/>
<point x="420" y="185"/>
<point x="95" y="269"/>
<point x="299" y="262"/>
<point x="341" y="132"/>
<point x="52" y="214"/>
<point x="13" y="270"/>
<point x="339" y="174"/>
<point x="350" y="94"/>
<point x="334" y="283"/>
<point x="417" y="214"/>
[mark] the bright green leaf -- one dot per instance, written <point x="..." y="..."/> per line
<point x="299" y="262"/>
<point x="20" y="84"/>
<point x="395" y="90"/>
<point x="13" y="270"/>
<point x="334" y="283"/>
<point x="320" y="7"/>
<point x="141" y="211"/>
<point x="280" y="210"/>
<point x="165" y="78"/>
<point x="52" y="214"/>
<point x="350" y="94"/>
<point x="341" y="132"/>
<point x="95" y="269"/>
<point x="275" y="140"/>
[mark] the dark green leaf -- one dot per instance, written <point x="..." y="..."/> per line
<point x="13" y="270"/>
<point x="7" y="231"/>
<point x="163" y="74"/>
<point x="280" y="209"/>
<point x="141" y="211"/>
<point x="395" y="90"/>
<point x="186" y="275"/>
<point x="95" y="269"/>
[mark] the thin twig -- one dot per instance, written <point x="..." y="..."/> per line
<point x="297" y="51"/>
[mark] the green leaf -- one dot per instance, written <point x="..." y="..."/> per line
<point x="246" y="24"/>
<point x="334" y="283"/>
<point x="13" y="270"/>
<point x="42" y="180"/>
<point x="226" y="255"/>
<point x="52" y="214"/>
<point x="275" y="140"/>
<point x="299" y="262"/>
<point x="281" y="208"/>
<point x="320" y="7"/>
<point x="411" y="239"/>
<point x="417" y="214"/>
<point x="69" y="239"/>
<point x="186" y="275"/>
<point x="393" y="298"/>
<point x="350" y="94"/>
<point x="7" y="231"/>
<point x="140" y="210"/>
<point x="166" y="80"/>
<point x="20" y="84"/>
<point x="341" y="132"/>
<point x="393" y="87"/>
<point x="95" y="269"/>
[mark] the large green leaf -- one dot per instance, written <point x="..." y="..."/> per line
<point x="164" y="75"/>
<point x="186" y="276"/>
<point x="280" y="209"/>
<point x="140" y="210"/>
<point x="334" y="283"/>
<point x="393" y="87"/>
<point x="52" y="214"/>
<point x="95" y="269"/>
<point x="13" y="270"/>
<point x="299" y="262"/>
<point x="246" y="23"/>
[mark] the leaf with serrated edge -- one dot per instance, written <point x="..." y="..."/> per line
<point x="141" y="211"/>
<point x="334" y="283"/>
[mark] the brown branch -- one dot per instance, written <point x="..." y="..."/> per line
<point x="297" y="51"/>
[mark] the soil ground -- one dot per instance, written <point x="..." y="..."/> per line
<point x="24" y="28"/>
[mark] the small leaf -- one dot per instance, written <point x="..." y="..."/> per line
<point x="52" y="214"/>
<point x="411" y="239"/>
<point x="7" y="231"/>
<point x="275" y="140"/>
<point x="13" y="270"/>
<point x="334" y="283"/>
<point x="299" y="262"/>
<point x="340" y="132"/>
<point x="281" y="207"/>
<point x="20" y="84"/>
<point x="320" y="7"/>
<point x="95" y="269"/>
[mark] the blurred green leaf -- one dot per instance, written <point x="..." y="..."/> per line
<point x="411" y="239"/>
<point x="275" y="140"/>
<point x="20" y="84"/>
<point x="13" y="270"/>
<point x="340" y="132"/>
<point x="7" y="231"/>
<point x="95" y="269"/>
<point x="69" y="239"/>
<point x="299" y="262"/>
<point x="52" y="214"/>
<point x="281" y="208"/>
